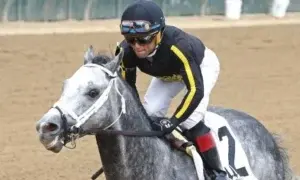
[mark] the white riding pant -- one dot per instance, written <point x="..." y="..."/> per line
<point x="160" y="93"/>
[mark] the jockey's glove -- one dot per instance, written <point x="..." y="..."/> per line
<point x="165" y="125"/>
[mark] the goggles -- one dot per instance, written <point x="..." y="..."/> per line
<point x="131" y="39"/>
<point x="139" y="26"/>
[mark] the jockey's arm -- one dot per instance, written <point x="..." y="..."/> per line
<point x="128" y="68"/>
<point x="192" y="77"/>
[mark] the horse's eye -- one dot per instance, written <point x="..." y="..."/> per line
<point x="93" y="93"/>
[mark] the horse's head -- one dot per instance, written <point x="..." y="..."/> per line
<point x="84" y="102"/>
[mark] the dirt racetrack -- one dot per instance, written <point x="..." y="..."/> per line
<point x="259" y="75"/>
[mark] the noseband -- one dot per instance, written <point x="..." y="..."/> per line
<point x="66" y="136"/>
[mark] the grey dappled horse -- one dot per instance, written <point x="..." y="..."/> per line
<point x="96" y="97"/>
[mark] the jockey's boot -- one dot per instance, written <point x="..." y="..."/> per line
<point x="206" y="146"/>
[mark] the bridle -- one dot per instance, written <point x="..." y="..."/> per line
<point x="75" y="131"/>
<point x="72" y="133"/>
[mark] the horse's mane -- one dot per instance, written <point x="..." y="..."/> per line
<point x="101" y="59"/>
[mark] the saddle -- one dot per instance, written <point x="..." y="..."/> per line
<point x="180" y="142"/>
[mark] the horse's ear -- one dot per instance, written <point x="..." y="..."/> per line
<point x="89" y="55"/>
<point x="114" y="64"/>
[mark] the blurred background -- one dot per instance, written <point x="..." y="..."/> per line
<point x="54" y="10"/>
<point x="259" y="70"/>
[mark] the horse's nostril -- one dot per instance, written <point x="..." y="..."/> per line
<point x="49" y="127"/>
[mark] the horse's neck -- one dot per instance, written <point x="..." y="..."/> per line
<point x="131" y="156"/>
<point x="139" y="157"/>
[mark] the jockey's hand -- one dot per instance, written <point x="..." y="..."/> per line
<point x="165" y="125"/>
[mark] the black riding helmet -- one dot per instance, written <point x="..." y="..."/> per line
<point x="142" y="18"/>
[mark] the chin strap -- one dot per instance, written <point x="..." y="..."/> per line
<point x="158" y="39"/>
<point x="153" y="52"/>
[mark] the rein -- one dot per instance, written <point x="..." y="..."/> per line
<point x="118" y="132"/>
<point x="70" y="134"/>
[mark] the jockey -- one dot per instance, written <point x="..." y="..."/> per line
<point x="176" y="60"/>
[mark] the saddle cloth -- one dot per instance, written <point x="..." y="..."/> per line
<point x="232" y="155"/>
